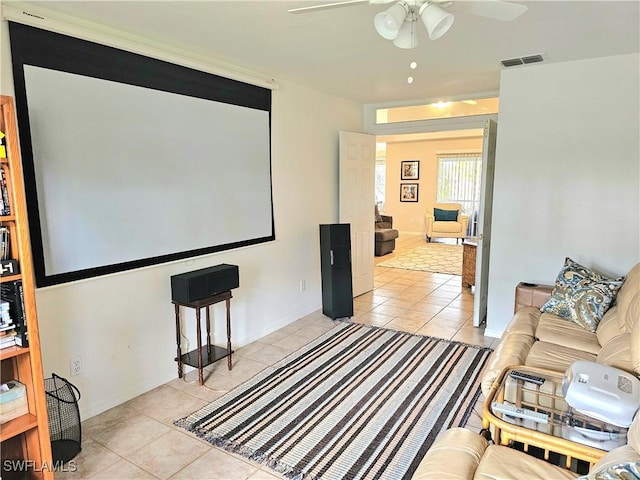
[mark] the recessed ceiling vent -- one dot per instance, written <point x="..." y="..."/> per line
<point x="512" y="62"/>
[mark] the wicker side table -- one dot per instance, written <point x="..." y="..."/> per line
<point x="469" y="262"/>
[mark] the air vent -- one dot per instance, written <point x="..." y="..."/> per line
<point x="532" y="59"/>
<point x="512" y="62"/>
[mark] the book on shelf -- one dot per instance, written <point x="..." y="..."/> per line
<point x="5" y="242"/>
<point x="8" y="266"/>
<point x="5" y="208"/>
<point x="12" y="293"/>
<point x="3" y="145"/>
<point x="8" y="338"/>
<point x="5" y="315"/>
<point x="5" y="327"/>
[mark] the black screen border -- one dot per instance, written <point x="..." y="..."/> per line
<point x="55" y="51"/>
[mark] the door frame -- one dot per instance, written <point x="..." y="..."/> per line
<point x="435" y="125"/>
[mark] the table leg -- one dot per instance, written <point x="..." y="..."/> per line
<point x="200" y="379"/>
<point x="208" y="334"/>
<point x="179" y="353"/>
<point x="229" y="361"/>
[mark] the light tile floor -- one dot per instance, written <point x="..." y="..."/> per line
<point x="137" y="440"/>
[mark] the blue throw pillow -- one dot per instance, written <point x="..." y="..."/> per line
<point x="582" y="295"/>
<point x="445" y="215"/>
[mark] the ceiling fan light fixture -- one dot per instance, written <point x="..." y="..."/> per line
<point x="407" y="36"/>
<point x="389" y="22"/>
<point x="436" y="20"/>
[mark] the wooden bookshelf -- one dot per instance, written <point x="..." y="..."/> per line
<point x="25" y="438"/>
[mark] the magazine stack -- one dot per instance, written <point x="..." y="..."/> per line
<point x="7" y="327"/>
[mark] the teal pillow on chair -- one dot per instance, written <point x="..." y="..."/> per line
<point x="445" y="215"/>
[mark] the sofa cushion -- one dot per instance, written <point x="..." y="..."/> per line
<point x="626" y="298"/>
<point x="446" y="227"/>
<point x="463" y="445"/>
<point x="555" y="357"/>
<point x="582" y="295"/>
<point x="441" y="215"/>
<point x="633" y="313"/>
<point x="512" y="350"/>
<point x="386" y="234"/>
<point x="609" y="326"/>
<point x="558" y="331"/>
<point x="617" y="353"/>
<point x="524" y="321"/>
<point x="635" y="348"/>
<point x="502" y="463"/>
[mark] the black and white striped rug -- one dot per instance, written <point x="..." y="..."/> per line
<point x="359" y="402"/>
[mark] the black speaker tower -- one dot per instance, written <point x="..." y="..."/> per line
<point x="335" y="267"/>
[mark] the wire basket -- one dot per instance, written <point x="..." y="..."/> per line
<point x="64" y="418"/>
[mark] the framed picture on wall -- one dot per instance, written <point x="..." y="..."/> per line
<point x="408" y="192"/>
<point x="410" y="170"/>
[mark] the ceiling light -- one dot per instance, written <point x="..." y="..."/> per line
<point x="407" y="36"/>
<point x="436" y="20"/>
<point x="413" y="65"/>
<point x="398" y="22"/>
<point x="410" y="80"/>
<point x="389" y="22"/>
<point x="440" y="104"/>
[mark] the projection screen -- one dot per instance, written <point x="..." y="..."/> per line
<point x="131" y="161"/>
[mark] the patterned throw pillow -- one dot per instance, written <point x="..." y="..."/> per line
<point x="582" y="295"/>
<point x="619" y="471"/>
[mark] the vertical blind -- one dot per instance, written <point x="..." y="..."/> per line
<point x="459" y="181"/>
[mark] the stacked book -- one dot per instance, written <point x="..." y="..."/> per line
<point x="12" y="295"/>
<point x="5" y="242"/>
<point x="5" y="208"/>
<point x="8" y="332"/>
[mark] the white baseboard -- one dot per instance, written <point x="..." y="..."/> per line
<point x="492" y="333"/>
<point x="118" y="397"/>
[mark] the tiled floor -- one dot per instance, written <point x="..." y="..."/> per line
<point x="138" y="440"/>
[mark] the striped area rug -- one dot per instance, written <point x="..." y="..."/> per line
<point x="359" y="402"/>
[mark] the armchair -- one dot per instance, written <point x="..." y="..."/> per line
<point x="445" y="225"/>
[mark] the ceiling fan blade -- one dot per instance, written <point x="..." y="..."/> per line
<point x="495" y="9"/>
<point x="326" y="6"/>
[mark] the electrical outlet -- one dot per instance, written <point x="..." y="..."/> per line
<point x="75" y="365"/>
<point x="303" y="285"/>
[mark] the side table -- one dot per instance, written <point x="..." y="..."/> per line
<point x="469" y="262"/>
<point x="212" y="353"/>
<point x="567" y="432"/>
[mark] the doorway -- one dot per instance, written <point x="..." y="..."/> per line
<point x="472" y="115"/>
<point x="449" y="170"/>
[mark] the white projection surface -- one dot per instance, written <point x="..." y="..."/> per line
<point x="126" y="173"/>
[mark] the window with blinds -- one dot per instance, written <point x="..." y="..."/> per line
<point x="459" y="181"/>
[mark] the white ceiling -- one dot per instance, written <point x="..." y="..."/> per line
<point x="338" y="51"/>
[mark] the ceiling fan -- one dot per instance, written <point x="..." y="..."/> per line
<point x="398" y="22"/>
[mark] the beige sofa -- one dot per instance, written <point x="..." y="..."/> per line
<point x="460" y="454"/>
<point x="547" y="341"/>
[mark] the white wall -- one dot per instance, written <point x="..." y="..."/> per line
<point x="567" y="179"/>
<point x="123" y="325"/>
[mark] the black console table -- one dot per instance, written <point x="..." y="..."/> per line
<point x="207" y="354"/>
